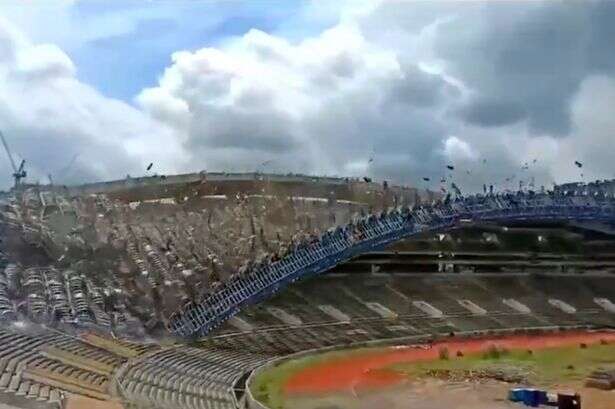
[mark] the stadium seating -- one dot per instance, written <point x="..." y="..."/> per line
<point x="39" y="365"/>
<point x="187" y="377"/>
<point x="441" y="291"/>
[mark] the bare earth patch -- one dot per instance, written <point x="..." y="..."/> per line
<point x="83" y="402"/>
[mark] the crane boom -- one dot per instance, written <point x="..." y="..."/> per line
<point x="8" y="152"/>
<point x="18" y="173"/>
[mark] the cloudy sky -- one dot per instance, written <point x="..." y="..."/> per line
<point x="395" y="90"/>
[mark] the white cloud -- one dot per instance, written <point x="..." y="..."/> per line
<point x="458" y="149"/>
<point x="324" y="103"/>
<point x="248" y="95"/>
<point x="45" y="61"/>
<point x="316" y="105"/>
<point x="49" y="117"/>
<point x="356" y="168"/>
<point x="593" y="134"/>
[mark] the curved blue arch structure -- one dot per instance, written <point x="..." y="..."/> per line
<point x="374" y="232"/>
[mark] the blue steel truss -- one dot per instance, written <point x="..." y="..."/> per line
<point x="375" y="232"/>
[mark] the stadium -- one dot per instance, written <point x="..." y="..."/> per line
<point x="307" y="204"/>
<point x="255" y="290"/>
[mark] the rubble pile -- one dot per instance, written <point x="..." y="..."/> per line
<point x="502" y="373"/>
<point x="602" y="379"/>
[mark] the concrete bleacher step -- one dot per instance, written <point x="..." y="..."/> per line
<point x="43" y="393"/>
<point x="606" y="304"/>
<point x="77" y="361"/>
<point x="14" y="384"/>
<point x="472" y="307"/>
<point x="29" y="401"/>
<point x="123" y="349"/>
<point x="23" y="389"/>
<point x="187" y="377"/>
<point x="240" y="324"/>
<point x="284" y="316"/>
<point x="381" y="310"/>
<point x="70" y="384"/>
<point x="55" y="396"/>
<point x="334" y="312"/>
<point x="517" y="305"/>
<point x="34" y="390"/>
<point x="5" y="379"/>
<point x="428" y="309"/>
<point x="562" y="306"/>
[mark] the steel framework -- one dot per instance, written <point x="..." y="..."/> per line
<point x="375" y="232"/>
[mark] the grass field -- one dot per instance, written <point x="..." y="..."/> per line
<point x="542" y="367"/>
<point x="554" y="362"/>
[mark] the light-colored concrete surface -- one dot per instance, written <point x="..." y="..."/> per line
<point x="438" y="394"/>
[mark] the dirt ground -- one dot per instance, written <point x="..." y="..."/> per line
<point x="438" y="394"/>
<point x="83" y="402"/>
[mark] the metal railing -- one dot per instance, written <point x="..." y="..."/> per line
<point x="375" y="232"/>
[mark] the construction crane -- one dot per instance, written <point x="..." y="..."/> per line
<point x="18" y="172"/>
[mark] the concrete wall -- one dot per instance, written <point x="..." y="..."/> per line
<point x="155" y="187"/>
<point x="606" y="186"/>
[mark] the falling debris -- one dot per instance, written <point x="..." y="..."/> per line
<point x="450" y="167"/>
<point x="426" y="179"/>
<point x="579" y="164"/>
<point x="456" y="189"/>
<point x="149" y="166"/>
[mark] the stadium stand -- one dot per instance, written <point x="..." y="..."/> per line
<point x="319" y="254"/>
